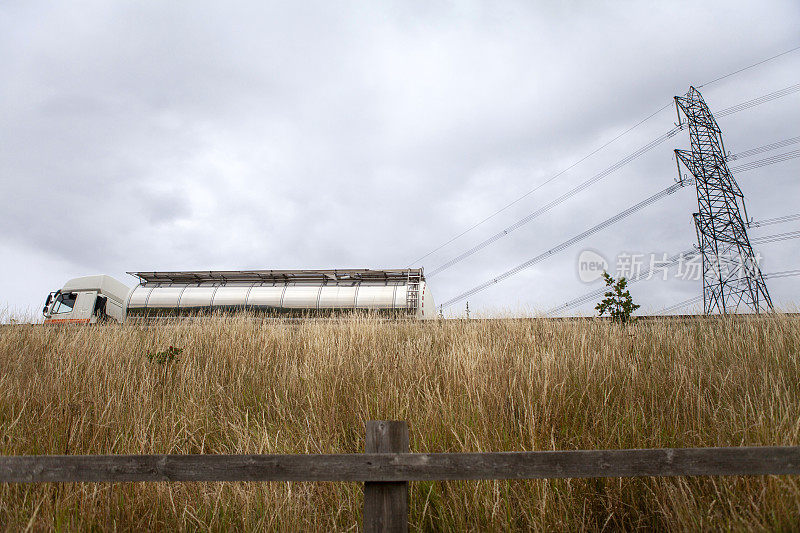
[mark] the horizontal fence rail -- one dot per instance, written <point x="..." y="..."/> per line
<point x="387" y="467"/>
<point x="743" y="461"/>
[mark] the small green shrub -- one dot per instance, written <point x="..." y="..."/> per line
<point x="617" y="302"/>
<point x="166" y="356"/>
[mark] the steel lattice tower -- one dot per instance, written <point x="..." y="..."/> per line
<point x="731" y="276"/>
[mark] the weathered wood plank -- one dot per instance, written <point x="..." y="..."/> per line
<point x="740" y="461"/>
<point x="386" y="503"/>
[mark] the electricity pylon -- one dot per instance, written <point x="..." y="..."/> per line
<point x="732" y="279"/>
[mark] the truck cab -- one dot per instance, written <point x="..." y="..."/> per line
<point x="87" y="300"/>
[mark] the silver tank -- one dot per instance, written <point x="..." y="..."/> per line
<point x="282" y="292"/>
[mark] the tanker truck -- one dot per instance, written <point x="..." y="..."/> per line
<point x="290" y="293"/>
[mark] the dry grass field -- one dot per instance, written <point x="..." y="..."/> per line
<point x="243" y="386"/>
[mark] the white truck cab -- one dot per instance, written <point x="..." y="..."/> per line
<point x="87" y="300"/>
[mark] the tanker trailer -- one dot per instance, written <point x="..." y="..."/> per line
<point x="291" y="293"/>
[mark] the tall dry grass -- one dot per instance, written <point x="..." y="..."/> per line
<point x="242" y="386"/>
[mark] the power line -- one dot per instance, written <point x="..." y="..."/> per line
<point x="558" y="174"/>
<point x="715" y="80"/>
<point x="680" y="305"/>
<point x="597" y="177"/>
<point x="594" y="179"/>
<point x="623" y="214"/>
<point x="767" y="161"/>
<point x="776" y="220"/>
<point x="595" y="229"/>
<point x="734" y="109"/>
<point x="786" y="91"/>
<point x="728" y="111"/>
<point x="561" y="199"/>
<point x="569" y="242"/>
<point x="784" y="274"/>
<point x="776" y="237"/>
<point x="761" y="149"/>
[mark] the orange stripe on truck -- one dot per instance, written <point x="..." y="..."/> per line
<point x="67" y="321"/>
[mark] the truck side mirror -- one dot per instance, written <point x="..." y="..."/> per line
<point x="100" y="307"/>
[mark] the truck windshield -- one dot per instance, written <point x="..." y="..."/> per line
<point x="64" y="303"/>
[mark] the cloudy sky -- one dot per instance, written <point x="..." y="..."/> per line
<point x="246" y="135"/>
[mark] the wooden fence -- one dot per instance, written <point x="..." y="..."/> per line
<point x="386" y="467"/>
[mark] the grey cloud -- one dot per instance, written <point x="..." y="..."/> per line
<point x="266" y="135"/>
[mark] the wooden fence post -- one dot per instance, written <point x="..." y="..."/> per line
<point x="386" y="503"/>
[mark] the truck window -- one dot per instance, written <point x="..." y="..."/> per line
<point x="64" y="303"/>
